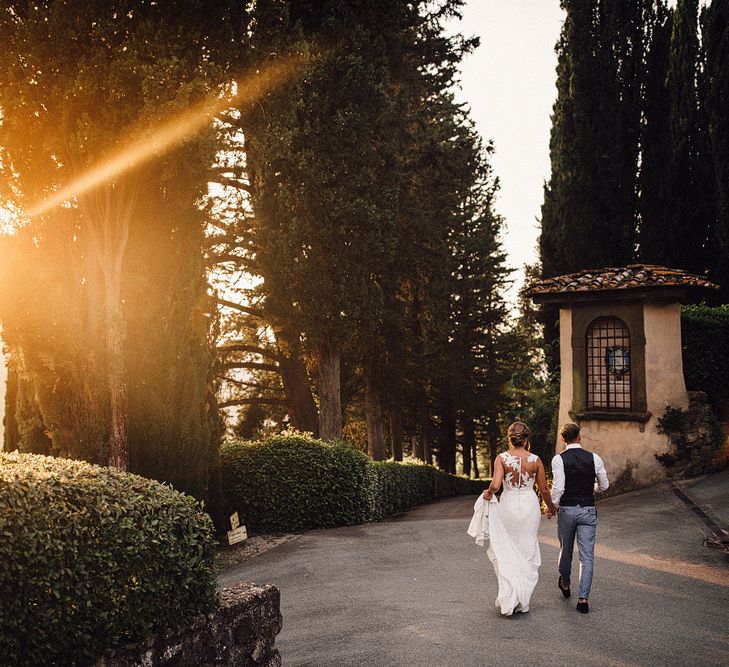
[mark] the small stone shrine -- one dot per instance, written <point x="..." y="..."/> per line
<point x="621" y="362"/>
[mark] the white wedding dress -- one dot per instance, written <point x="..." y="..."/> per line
<point x="513" y="527"/>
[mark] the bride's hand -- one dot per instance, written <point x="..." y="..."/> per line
<point x="487" y="495"/>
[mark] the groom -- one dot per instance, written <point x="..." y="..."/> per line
<point x="573" y="489"/>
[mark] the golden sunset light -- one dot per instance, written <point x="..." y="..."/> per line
<point x="150" y="142"/>
<point x="413" y="312"/>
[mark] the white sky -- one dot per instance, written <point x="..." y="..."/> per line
<point x="509" y="82"/>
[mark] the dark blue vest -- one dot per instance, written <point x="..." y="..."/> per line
<point x="579" y="477"/>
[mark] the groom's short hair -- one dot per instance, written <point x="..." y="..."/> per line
<point x="569" y="432"/>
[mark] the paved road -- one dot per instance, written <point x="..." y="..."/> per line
<point x="416" y="591"/>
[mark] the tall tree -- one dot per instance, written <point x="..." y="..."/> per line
<point x="656" y="148"/>
<point x="716" y="58"/>
<point x="104" y="297"/>
<point x="589" y="210"/>
<point x="690" y="182"/>
<point x="320" y="155"/>
<point x="589" y="214"/>
<point x="480" y="314"/>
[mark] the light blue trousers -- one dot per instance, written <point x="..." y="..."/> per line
<point x="579" y="522"/>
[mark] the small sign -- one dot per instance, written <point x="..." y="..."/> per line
<point x="238" y="534"/>
<point x="234" y="521"/>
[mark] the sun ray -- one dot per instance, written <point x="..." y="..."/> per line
<point x="168" y="134"/>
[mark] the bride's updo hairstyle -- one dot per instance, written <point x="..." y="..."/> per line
<point x="518" y="434"/>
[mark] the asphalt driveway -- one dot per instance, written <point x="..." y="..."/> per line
<point x="416" y="591"/>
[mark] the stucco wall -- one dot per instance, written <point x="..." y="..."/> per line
<point x="629" y="448"/>
<point x="663" y="360"/>
<point x="565" y="361"/>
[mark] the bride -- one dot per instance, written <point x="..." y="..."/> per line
<point x="514" y="521"/>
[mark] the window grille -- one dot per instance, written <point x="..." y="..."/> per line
<point x="608" y="365"/>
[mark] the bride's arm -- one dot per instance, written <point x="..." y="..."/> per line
<point x="544" y="489"/>
<point x="496" y="480"/>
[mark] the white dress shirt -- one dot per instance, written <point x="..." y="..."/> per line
<point x="558" y="474"/>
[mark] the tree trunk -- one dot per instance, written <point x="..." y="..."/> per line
<point x="422" y="442"/>
<point x="118" y="396"/>
<point x="396" y="434"/>
<point x="447" y="452"/>
<point x="469" y="446"/>
<point x="108" y="211"/>
<point x="426" y="431"/>
<point x="417" y="444"/>
<point x="493" y="438"/>
<point x="330" y="393"/>
<point x="375" y="423"/>
<point x="10" y="423"/>
<point x="299" y="398"/>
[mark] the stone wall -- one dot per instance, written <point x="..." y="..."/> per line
<point x="241" y="632"/>
<point x="695" y="437"/>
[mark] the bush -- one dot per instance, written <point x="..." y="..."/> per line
<point x="293" y="482"/>
<point x="90" y="556"/>
<point x="705" y="342"/>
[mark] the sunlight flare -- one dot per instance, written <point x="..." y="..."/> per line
<point x="166" y="135"/>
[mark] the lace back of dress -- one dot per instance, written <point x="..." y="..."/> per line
<point x="514" y="468"/>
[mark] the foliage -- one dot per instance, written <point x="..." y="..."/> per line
<point x="638" y="138"/>
<point x="687" y="228"/>
<point x="715" y="35"/>
<point x="92" y="556"/>
<point x="104" y="299"/>
<point x="705" y="344"/>
<point x="369" y="217"/>
<point x="676" y="423"/>
<point x="589" y="211"/>
<point x="532" y="393"/>
<point x="399" y="486"/>
<point x="294" y="482"/>
<point x="654" y="180"/>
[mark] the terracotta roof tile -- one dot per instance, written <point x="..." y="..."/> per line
<point x="622" y="278"/>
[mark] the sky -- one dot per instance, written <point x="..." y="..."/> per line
<point x="509" y="83"/>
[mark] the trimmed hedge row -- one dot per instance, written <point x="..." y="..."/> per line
<point x="705" y="342"/>
<point x="293" y="482"/>
<point x="90" y="556"/>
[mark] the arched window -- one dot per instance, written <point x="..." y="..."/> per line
<point x="608" y="364"/>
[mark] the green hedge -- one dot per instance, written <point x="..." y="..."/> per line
<point x="705" y="342"/>
<point x="90" y="556"/>
<point x="294" y="482"/>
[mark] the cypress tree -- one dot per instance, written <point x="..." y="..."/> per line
<point x="478" y="333"/>
<point x="716" y="54"/>
<point x="589" y="210"/>
<point x="322" y="163"/>
<point x="690" y="181"/>
<point x="656" y="150"/>
<point x="589" y="214"/>
<point x="122" y="264"/>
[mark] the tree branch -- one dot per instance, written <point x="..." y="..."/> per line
<point x="224" y="258"/>
<point x="255" y="312"/>
<point x="251" y="385"/>
<point x="233" y="182"/>
<point x="253" y="349"/>
<point x="251" y="365"/>
<point x="252" y="401"/>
